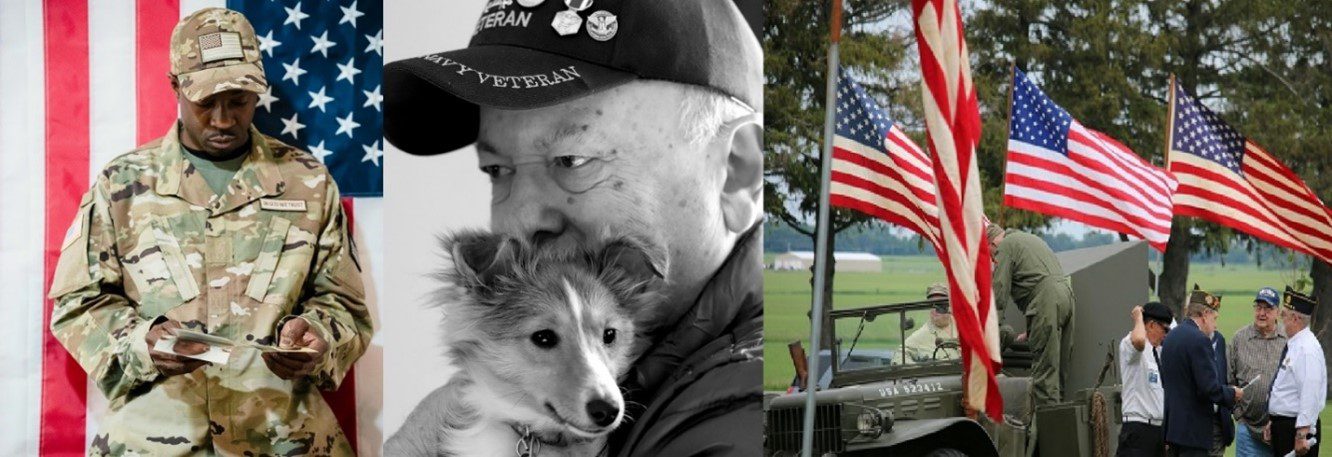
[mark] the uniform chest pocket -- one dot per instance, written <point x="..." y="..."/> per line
<point x="283" y="262"/>
<point x="159" y="270"/>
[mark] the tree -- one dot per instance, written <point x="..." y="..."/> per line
<point x="1288" y="112"/>
<point x="795" y="62"/>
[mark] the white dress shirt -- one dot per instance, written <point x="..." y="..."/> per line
<point x="1300" y="387"/>
<point x="1144" y="399"/>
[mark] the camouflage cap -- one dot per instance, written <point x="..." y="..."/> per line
<point x="937" y="289"/>
<point x="215" y="50"/>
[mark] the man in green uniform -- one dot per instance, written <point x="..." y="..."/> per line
<point x="218" y="229"/>
<point x="1027" y="274"/>
<point x="925" y="343"/>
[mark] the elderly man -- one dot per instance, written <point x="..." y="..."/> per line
<point x="1299" y="389"/>
<point x="1027" y="274"/>
<point x="624" y="118"/>
<point x="1253" y="354"/>
<point x="1144" y="398"/>
<point x="1193" y="389"/>
<point x="218" y="229"/>
<point x="926" y="343"/>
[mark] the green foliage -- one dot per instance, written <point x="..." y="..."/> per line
<point x="796" y="42"/>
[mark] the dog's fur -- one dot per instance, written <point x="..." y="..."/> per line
<point x="499" y="293"/>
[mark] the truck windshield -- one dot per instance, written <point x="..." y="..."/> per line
<point x="895" y="338"/>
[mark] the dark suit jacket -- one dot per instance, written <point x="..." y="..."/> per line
<point x="1192" y="385"/>
<point x="1223" y="413"/>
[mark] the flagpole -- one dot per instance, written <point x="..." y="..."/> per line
<point x="1008" y="132"/>
<point x="1170" y="120"/>
<point x="822" y="232"/>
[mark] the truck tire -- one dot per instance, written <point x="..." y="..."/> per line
<point x="947" y="452"/>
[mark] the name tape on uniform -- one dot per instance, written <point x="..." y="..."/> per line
<point x="282" y="205"/>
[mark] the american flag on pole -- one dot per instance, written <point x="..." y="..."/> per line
<point x="83" y="81"/>
<point x="952" y="121"/>
<point x="1057" y="166"/>
<point x="877" y="169"/>
<point x="1228" y="179"/>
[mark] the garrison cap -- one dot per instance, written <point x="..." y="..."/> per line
<point x="1203" y="297"/>
<point x="215" y="50"/>
<point x="528" y="54"/>
<point x="1299" y="302"/>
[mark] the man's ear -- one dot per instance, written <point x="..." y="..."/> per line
<point x="479" y="257"/>
<point x="742" y="187"/>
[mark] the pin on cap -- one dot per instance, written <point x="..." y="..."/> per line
<point x="568" y="21"/>
<point x="512" y="63"/>
<point x="602" y="25"/>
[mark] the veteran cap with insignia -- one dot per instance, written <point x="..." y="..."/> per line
<point x="531" y="54"/>
<point x="1203" y="297"/>
<point x="215" y="50"/>
<point x="1299" y="302"/>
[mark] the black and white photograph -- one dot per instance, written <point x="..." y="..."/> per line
<point x="578" y="242"/>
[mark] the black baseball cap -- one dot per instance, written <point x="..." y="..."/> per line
<point x="533" y="53"/>
<point x="1155" y="311"/>
<point x="1299" y="302"/>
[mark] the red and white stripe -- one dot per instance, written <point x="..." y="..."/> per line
<point x="897" y="187"/>
<point x="1269" y="201"/>
<point x="81" y="82"/>
<point x="1099" y="182"/>
<point x="952" y="121"/>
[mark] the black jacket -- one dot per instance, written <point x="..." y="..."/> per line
<point x="699" y="390"/>
<point x="1192" y="386"/>
<point x="1223" y="413"/>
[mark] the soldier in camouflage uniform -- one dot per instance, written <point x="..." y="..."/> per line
<point x="262" y="257"/>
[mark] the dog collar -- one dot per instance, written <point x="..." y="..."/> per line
<point x="530" y="441"/>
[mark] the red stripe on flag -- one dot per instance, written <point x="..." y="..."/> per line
<point x="878" y="168"/>
<point x="1118" y="197"/>
<point x="343" y="401"/>
<point x="154" y="20"/>
<point x="64" y="384"/>
<point x="955" y="115"/>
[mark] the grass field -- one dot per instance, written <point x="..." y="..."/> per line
<point x="904" y="278"/>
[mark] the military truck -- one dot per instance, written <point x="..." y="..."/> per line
<point x="909" y="403"/>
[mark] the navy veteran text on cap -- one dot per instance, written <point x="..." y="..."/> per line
<point x="533" y="53"/>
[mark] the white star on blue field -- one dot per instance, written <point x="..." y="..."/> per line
<point x="324" y="62"/>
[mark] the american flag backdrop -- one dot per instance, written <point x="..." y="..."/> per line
<point x="1228" y="179"/>
<point x="82" y="81"/>
<point x="1057" y="166"/>
<point x="877" y="169"/>
<point x="952" y="122"/>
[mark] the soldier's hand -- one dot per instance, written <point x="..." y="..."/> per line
<point x="1022" y="337"/>
<point x="295" y="334"/>
<point x="1267" y="433"/>
<point x="1239" y="393"/>
<point x="171" y="364"/>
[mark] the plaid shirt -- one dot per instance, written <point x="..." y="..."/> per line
<point x="1252" y="354"/>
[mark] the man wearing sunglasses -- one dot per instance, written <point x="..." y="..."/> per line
<point x="638" y="118"/>
<point x="1144" y="399"/>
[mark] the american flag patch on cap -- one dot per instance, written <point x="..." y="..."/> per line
<point x="220" y="46"/>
